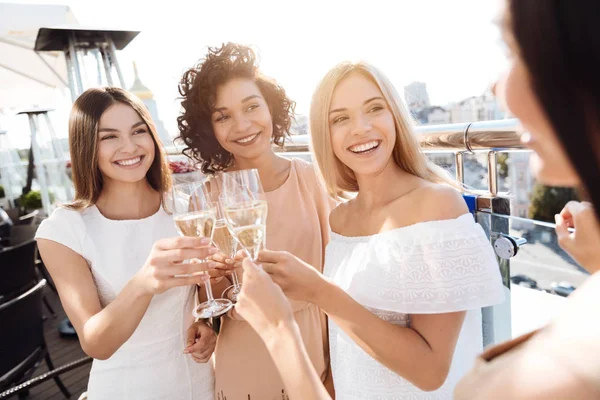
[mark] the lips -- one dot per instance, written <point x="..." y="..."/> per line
<point x="365" y="147"/>
<point x="129" y="162"/>
<point x="247" y="139"/>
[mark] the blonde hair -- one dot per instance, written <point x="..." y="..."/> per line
<point x="407" y="154"/>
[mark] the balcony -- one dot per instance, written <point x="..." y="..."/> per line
<point x="536" y="273"/>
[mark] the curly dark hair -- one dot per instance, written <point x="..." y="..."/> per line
<point x="198" y="88"/>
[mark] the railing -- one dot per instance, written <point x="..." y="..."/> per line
<point x="491" y="137"/>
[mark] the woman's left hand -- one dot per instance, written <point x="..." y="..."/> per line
<point x="201" y="342"/>
<point x="298" y="279"/>
<point x="582" y="244"/>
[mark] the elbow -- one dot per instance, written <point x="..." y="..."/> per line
<point x="97" y="351"/>
<point x="432" y="378"/>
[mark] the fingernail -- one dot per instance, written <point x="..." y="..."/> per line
<point x="218" y="279"/>
<point x="212" y="251"/>
<point x="186" y="351"/>
<point x="229" y="261"/>
<point x="212" y="265"/>
<point x="204" y="241"/>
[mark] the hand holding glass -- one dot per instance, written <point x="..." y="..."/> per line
<point x="195" y="215"/>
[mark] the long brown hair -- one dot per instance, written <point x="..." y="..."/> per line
<point x="83" y="144"/>
<point x="559" y="42"/>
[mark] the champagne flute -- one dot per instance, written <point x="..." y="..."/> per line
<point x="195" y="215"/>
<point x="222" y="237"/>
<point x="245" y="209"/>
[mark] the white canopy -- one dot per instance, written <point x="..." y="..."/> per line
<point x="29" y="78"/>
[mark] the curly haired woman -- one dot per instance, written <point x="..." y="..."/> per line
<point x="232" y="117"/>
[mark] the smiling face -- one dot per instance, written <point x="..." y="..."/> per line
<point x="242" y="121"/>
<point x="363" y="132"/>
<point x="126" y="149"/>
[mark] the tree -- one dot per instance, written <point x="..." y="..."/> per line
<point x="548" y="201"/>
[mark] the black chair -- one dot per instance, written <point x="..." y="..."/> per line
<point x="24" y="233"/>
<point x="18" y="270"/>
<point x="22" y="343"/>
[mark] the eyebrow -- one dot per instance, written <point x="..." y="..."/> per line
<point x="116" y="130"/>
<point x="244" y="100"/>
<point x="365" y="102"/>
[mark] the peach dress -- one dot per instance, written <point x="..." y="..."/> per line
<point x="297" y="222"/>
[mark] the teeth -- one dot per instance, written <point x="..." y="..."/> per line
<point x="364" y="147"/>
<point x="248" y="139"/>
<point x="131" y="161"/>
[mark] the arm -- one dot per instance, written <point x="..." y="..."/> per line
<point x="427" y="346"/>
<point x="266" y="309"/>
<point x="102" y="331"/>
<point x="290" y="356"/>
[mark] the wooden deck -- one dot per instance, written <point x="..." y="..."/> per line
<point x="62" y="351"/>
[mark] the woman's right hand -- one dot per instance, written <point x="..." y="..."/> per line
<point x="261" y="302"/>
<point x="164" y="268"/>
<point x="582" y="244"/>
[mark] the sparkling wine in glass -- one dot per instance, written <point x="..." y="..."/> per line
<point x="195" y="215"/>
<point x="222" y="237"/>
<point x="245" y="209"/>
<point x="247" y="219"/>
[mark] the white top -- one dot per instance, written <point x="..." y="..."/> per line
<point x="151" y="364"/>
<point x="427" y="268"/>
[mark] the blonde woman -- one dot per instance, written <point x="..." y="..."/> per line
<point x="408" y="269"/>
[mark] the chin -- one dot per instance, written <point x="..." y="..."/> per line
<point x="254" y="151"/>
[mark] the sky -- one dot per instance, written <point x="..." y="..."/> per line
<point x="452" y="45"/>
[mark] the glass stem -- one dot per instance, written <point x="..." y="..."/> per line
<point x="236" y="282"/>
<point x="209" y="293"/>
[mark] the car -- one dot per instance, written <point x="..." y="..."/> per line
<point x="563" y="288"/>
<point x="524" y="280"/>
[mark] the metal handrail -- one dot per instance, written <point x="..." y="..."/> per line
<point x="482" y="136"/>
<point x="494" y="135"/>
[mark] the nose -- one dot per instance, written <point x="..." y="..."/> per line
<point x="241" y="124"/>
<point x="494" y="88"/>
<point x="362" y="124"/>
<point x="128" y="145"/>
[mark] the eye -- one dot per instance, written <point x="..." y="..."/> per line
<point x="222" y="118"/>
<point x="139" y="131"/>
<point x="376" y="108"/>
<point x="108" y="137"/>
<point x="253" y="107"/>
<point x="340" y="119"/>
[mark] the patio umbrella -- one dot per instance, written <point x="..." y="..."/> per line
<point x="29" y="78"/>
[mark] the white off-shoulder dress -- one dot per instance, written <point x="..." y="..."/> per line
<point x="151" y="363"/>
<point x="427" y="268"/>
